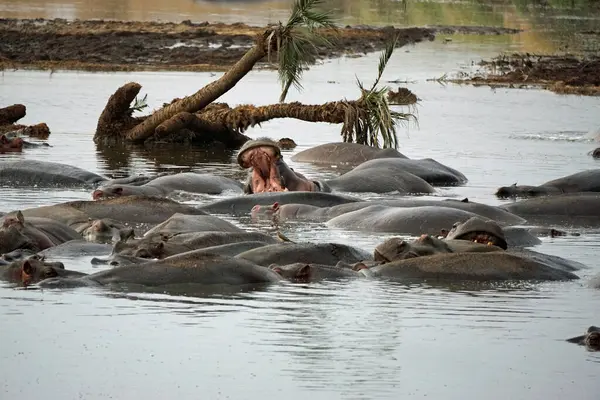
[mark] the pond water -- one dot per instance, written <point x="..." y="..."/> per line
<point x="332" y="340"/>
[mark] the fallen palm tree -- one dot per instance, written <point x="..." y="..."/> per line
<point x="197" y="119"/>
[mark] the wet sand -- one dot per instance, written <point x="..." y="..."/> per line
<point x="564" y="74"/>
<point x="98" y="45"/>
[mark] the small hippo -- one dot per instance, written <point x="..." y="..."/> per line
<point x="305" y="273"/>
<point x="590" y="339"/>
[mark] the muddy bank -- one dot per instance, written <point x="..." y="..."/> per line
<point x="99" y="45"/>
<point x="564" y="74"/>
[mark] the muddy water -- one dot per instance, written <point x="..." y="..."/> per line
<point x="347" y="340"/>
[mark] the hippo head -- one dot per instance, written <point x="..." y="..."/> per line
<point x="35" y="269"/>
<point x="259" y="212"/>
<point x="478" y="230"/>
<point x="297" y="272"/>
<point x="398" y="249"/>
<point x="105" y="230"/>
<point x="590" y="339"/>
<point x="393" y="249"/>
<point x="262" y="155"/>
<point x="286" y="144"/>
<point x="108" y="192"/>
<point x="151" y="250"/>
<point x="515" y="190"/>
<point x="596" y="153"/>
<point x="12" y="236"/>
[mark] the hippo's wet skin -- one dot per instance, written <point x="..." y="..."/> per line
<point x="313" y="213"/>
<point x="584" y="181"/>
<point x="350" y="154"/>
<point x="242" y="205"/>
<point x="567" y="210"/>
<point x="160" y="245"/>
<point x="182" y="223"/>
<point x="590" y="339"/>
<point x="473" y="266"/>
<point x="164" y="185"/>
<point x="305" y="273"/>
<point x="309" y="253"/>
<point x="46" y="174"/>
<point x="176" y="274"/>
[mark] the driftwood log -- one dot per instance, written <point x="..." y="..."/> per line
<point x="8" y="126"/>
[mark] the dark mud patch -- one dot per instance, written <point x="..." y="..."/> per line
<point x="563" y="74"/>
<point x="98" y="45"/>
<point x="124" y="46"/>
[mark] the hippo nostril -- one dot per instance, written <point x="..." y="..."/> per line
<point x="97" y="194"/>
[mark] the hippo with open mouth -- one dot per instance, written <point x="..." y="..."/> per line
<point x="269" y="173"/>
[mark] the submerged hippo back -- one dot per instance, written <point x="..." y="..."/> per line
<point x="316" y="253"/>
<point x="208" y="269"/>
<point x="46" y="174"/>
<point x="134" y="209"/>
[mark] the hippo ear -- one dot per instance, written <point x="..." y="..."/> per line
<point x="465" y="200"/>
<point x="304" y="273"/>
<point x="514" y="184"/>
<point x="20" y="217"/>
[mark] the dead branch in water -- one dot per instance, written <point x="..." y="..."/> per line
<point x="11" y="114"/>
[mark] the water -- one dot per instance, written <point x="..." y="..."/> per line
<point x="334" y="340"/>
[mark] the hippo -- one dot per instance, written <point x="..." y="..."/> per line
<point x="180" y="223"/>
<point x="159" y="245"/>
<point x="140" y="211"/>
<point x="105" y="230"/>
<point x="396" y="248"/>
<point x="70" y="249"/>
<point x="431" y="171"/>
<point x="269" y="173"/>
<point x="34" y="234"/>
<point x="569" y="210"/>
<point x="381" y="179"/>
<point x="317" y="253"/>
<point x="341" y="153"/>
<point x="163" y="186"/>
<point x="312" y="213"/>
<point x="477" y="230"/>
<point x="33" y="270"/>
<point x="180" y="275"/>
<point x="32" y="173"/>
<point x="229" y="249"/>
<point x="471" y="266"/>
<point x="584" y="181"/>
<point x="306" y="273"/>
<point x="11" y="145"/>
<point x="406" y="220"/>
<point x="242" y="205"/>
<point x="590" y="339"/>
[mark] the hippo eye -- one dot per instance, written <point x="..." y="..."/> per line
<point x="49" y="273"/>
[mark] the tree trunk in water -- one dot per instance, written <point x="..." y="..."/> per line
<point x="116" y="117"/>
<point x="204" y="96"/>
<point x="243" y="117"/>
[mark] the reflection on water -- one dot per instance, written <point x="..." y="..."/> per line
<point x="351" y="340"/>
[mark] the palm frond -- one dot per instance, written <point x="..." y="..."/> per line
<point x="384" y="58"/>
<point x="371" y="118"/>
<point x="297" y="42"/>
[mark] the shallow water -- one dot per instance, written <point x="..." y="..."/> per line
<point x="346" y="340"/>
